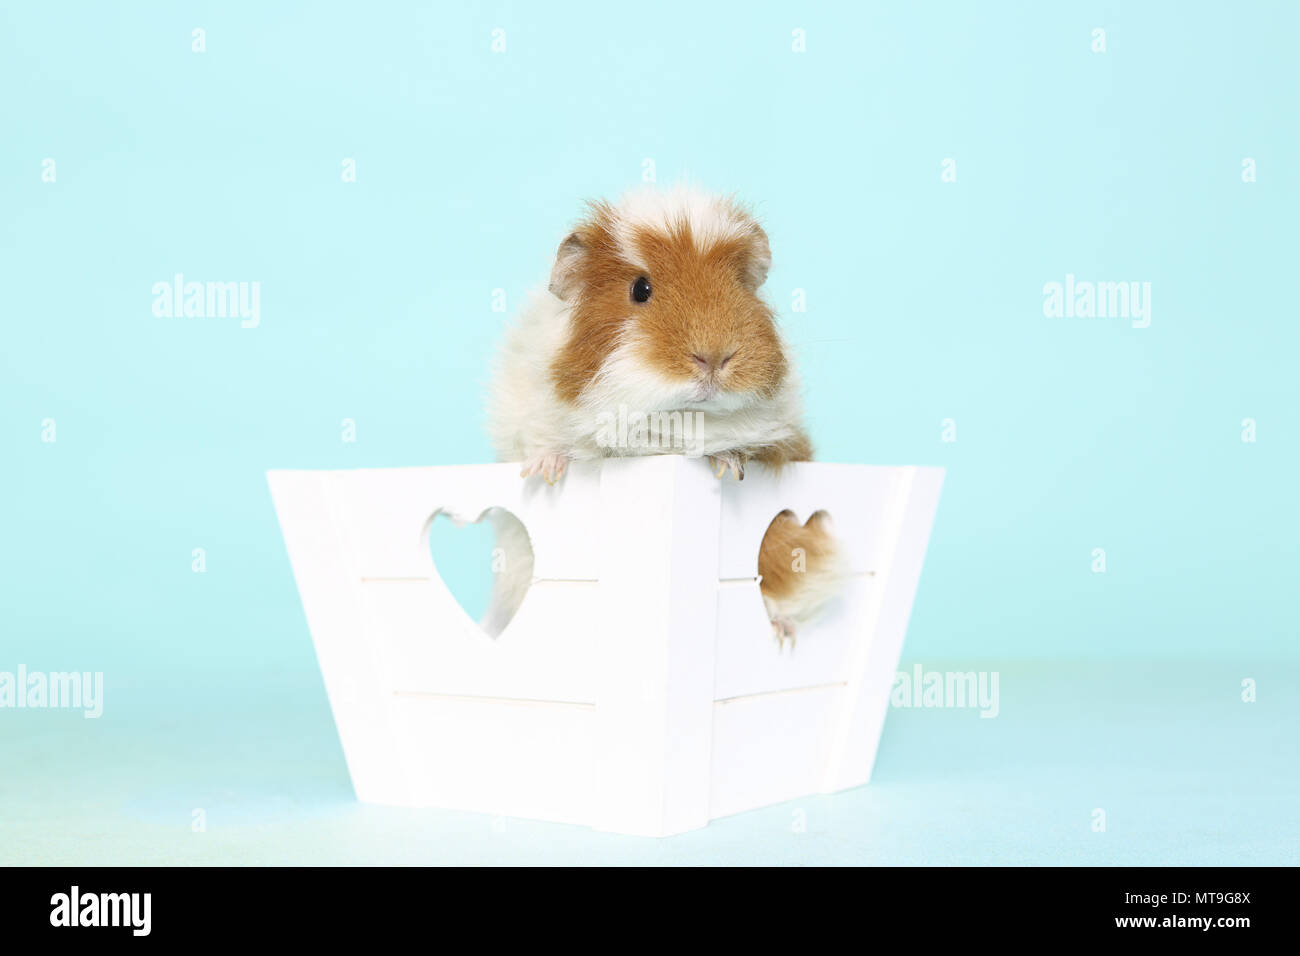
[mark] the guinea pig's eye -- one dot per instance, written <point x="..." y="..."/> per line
<point x="641" y="290"/>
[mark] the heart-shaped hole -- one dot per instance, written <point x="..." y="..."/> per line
<point x="801" y="567"/>
<point x="486" y="564"/>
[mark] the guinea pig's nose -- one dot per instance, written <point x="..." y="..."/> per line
<point x="710" y="362"/>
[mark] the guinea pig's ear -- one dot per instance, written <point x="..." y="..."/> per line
<point x="758" y="257"/>
<point x="564" y="274"/>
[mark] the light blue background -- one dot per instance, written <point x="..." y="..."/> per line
<point x="924" y="303"/>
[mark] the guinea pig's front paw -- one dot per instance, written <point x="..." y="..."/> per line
<point x="550" y="466"/>
<point x="783" y="629"/>
<point x="732" y="461"/>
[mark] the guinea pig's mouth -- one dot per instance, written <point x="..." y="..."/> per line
<point x="705" y="392"/>
<point x="709" y="396"/>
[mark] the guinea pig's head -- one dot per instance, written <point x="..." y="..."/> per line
<point x="664" y="305"/>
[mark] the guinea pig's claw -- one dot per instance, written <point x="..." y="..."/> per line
<point x="550" y="466"/>
<point x="721" y="464"/>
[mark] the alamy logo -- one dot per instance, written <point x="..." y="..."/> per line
<point x="208" y="300"/>
<point x="946" y="689"/>
<point x="74" y="690"/>
<point x="651" y="431"/>
<point x="102" y="909"/>
<point x="1076" y="299"/>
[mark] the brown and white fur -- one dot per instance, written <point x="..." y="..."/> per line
<point x="702" y="341"/>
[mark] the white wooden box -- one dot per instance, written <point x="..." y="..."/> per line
<point x="639" y="688"/>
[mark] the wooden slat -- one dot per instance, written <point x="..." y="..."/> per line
<point x="549" y="651"/>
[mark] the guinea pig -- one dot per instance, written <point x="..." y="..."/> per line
<point x="653" y="308"/>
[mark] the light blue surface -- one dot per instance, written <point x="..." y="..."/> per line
<point x="1184" y="771"/>
<point x="1121" y="690"/>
